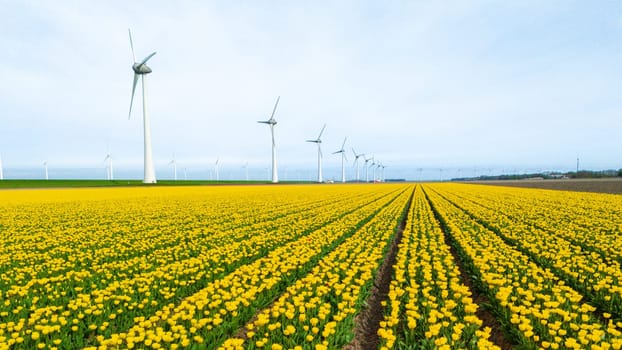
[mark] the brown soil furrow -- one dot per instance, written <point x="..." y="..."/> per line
<point x="497" y="335"/>
<point x="367" y="322"/>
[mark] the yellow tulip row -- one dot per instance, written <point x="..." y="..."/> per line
<point x="428" y="306"/>
<point x="536" y="306"/>
<point x="594" y="275"/>
<point x="591" y="220"/>
<point x="210" y="314"/>
<point x="317" y="311"/>
<point x="88" y="311"/>
<point x="106" y="238"/>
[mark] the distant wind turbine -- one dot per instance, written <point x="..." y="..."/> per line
<point x="343" y="157"/>
<point x="141" y="69"/>
<point x="174" y="163"/>
<point x="374" y="166"/>
<point x="318" y="141"/>
<point x="367" y="168"/>
<point x="356" y="162"/>
<point x="1" y="171"/>
<point x="378" y="166"/>
<point x="109" y="173"/>
<point x="246" y="170"/>
<point x="216" y="168"/>
<point x="272" y="123"/>
<point x="382" y="173"/>
<point x="45" y="167"/>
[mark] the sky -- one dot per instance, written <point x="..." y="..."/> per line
<point x="455" y="85"/>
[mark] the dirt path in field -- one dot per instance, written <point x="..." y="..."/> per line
<point x="497" y="335"/>
<point x="608" y="185"/>
<point x="367" y="322"/>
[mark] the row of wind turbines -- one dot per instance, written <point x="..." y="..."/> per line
<point x="141" y="69"/>
<point x="275" y="177"/>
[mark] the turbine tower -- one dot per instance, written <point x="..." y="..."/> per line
<point x="45" y="167"/>
<point x="367" y="168"/>
<point x="356" y="162"/>
<point x="216" y="168"/>
<point x="319" y="154"/>
<point x="272" y="123"/>
<point x="343" y="156"/>
<point x="109" y="173"/>
<point x="141" y="69"/>
<point x="372" y="166"/>
<point x="246" y="170"/>
<point x="174" y="163"/>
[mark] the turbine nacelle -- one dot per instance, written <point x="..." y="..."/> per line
<point x="269" y="122"/>
<point x="141" y="68"/>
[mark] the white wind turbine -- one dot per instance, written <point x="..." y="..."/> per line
<point x="216" y="168"/>
<point x="272" y="123"/>
<point x="373" y="162"/>
<point x="141" y="69"/>
<point x="246" y="170"/>
<point x="45" y="167"/>
<point x="356" y="162"/>
<point x="343" y="156"/>
<point x="109" y="173"/>
<point x="367" y="168"/>
<point x="174" y="163"/>
<point x="319" y="154"/>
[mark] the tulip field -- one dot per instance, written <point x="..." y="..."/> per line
<point x="301" y="266"/>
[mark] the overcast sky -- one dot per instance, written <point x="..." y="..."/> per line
<point x="529" y="84"/>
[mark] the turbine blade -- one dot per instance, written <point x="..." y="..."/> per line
<point x="133" y="90"/>
<point x="319" y="149"/>
<point x="344" y="156"/>
<point x="276" y="104"/>
<point x="147" y="58"/>
<point x="131" y="45"/>
<point x="344" y="143"/>
<point x="319" y="136"/>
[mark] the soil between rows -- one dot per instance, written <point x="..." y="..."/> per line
<point x="367" y="322"/>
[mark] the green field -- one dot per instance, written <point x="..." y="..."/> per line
<point x="13" y="184"/>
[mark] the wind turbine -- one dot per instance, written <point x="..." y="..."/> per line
<point x="343" y="156"/>
<point x="319" y="154"/>
<point x="216" y="168"/>
<point x="356" y="159"/>
<point x="185" y="175"/>
<point x="141" y="69"/>
<point x="45" y="166"/>
<point x="246" y="170"/>
<point x="382" y="173"/>
<point x="174" y="163"/>
<point x="272" y="123"/>
<point x="367" y="168"/>
<point x="378" y="166"/>
<point x="109" y="173"/>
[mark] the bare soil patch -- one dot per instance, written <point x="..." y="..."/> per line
<point x="610" y="185"/>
